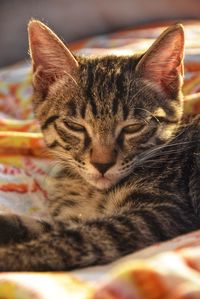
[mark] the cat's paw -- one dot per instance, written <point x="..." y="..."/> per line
<point x="11" y="229"/>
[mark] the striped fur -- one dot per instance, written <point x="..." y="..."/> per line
<point x="128" y="173"/>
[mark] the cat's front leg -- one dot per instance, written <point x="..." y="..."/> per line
<point x="17" y="228"/>
<point x="99" y="241"/>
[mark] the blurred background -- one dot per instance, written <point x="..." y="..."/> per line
<point x="77" y="19"/>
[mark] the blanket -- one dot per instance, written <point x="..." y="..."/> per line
<point x="24" y="164"/>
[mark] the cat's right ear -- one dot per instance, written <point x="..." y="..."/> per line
<point x="50" y="57"/>
<point x="162" y="64"/>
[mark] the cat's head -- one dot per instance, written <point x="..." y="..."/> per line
<point x="98" y="114"/>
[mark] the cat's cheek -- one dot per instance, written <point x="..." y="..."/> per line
<point x="130" y="149"/>
<point x="167" y="132"/>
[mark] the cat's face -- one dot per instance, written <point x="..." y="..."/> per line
<point x="99" y="115"/>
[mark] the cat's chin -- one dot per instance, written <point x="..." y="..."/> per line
<point x="101" y="182"/>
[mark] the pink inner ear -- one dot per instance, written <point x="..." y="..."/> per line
<point x="162" y="64"/>
<point x="50" y="57"/>
<point x="165" y="62"/>
<point x="166" y="76"/>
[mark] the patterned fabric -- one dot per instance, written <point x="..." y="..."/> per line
<point x="166" y="276"/>
<point x="142" y="275"/>
<point x="24" y="164"/>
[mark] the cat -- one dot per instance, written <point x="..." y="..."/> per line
<point x="129" y="164"/>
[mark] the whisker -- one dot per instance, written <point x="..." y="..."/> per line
<point x="149" y="113"/>
<point x="139" y="91"/>
<point x="154" y="152"/>
<point x="72" y="78"/>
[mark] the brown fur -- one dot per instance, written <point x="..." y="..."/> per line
<point x="128" y="172"/>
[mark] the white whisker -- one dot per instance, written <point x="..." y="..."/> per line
<point x="149" y="113"/>
<point x="72" y="78"/>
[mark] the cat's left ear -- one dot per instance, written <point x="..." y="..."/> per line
<point x="51" y="59"/>
<point x="162" y="64"/>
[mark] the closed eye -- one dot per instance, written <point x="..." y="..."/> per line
<point x="133" y="128"/>
<point x="73" y="126"/>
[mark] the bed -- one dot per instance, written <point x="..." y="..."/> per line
<point x="167" y="270"/>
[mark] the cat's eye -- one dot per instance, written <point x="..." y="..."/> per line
<point x="74" y="126"/>
<point x="134" y="128"/>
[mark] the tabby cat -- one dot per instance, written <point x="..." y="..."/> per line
<point x="129" y="165"/>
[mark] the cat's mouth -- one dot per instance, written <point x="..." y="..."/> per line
<point x="101" y="181"/>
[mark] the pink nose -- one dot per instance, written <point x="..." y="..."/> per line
<point x="103" y="157"/>
<point x="102" y="168"/>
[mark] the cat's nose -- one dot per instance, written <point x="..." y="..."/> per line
<point x="102" y="168"/>
<point x="103" y="157"/>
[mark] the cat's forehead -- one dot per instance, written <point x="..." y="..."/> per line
<point x="104" y="83"/>
<point x="111" y="83"/>
<point x="106" y="91"/>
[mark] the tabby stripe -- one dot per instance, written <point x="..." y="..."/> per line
<point x="98" y="252"/>
<point x="147" y="197"/>
<point x="101" y="207"/>
<point x="182" y="217"/>
<point x="71" y="233"/>
<point x="115" y="105"/>
<point x="49" y="120"/>
<point x="124" y="242"/>
<point x="110" y="83"/>
<point x="71" y="106"/>
<point x="60" y="253"/>
<point x="148" y="135"/>
<point x="89" y="89"/>
<point x="10" y="224"/>
<point x="120" y="141"/>
<point x="63" y="256"/>
<point x="159" y="141"/>
<point x="87" y="141"/>
<point x="73" y="193"/>
<point x="61" y="133"/>
<point x="125" y="111"/>
<point x="22" y="228"/>
<point x="83" y="110"/>
<point x="120" y="86"/>
<point x="93" y="105"/>
<point x="67" y="203"/>
<point x="118" y="237"/>
<point x="166" y="187"/>
<point x="129" y="225"/>
<point x="75" y="235"/>
<point x="57" y="210"/>
<point x="75" y="254"/>
<point x="154" y="225"/>
<point x="100" y="81"/>
<point x="46" y="226"/>
<point x="53" y="144"/>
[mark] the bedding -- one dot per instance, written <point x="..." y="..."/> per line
<point x="166" y="270"/>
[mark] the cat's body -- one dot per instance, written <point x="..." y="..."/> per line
<point x="130" y="166"/>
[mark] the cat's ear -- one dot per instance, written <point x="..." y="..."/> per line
<point x="162" y="64"/>
<point x="50" y="57"/>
